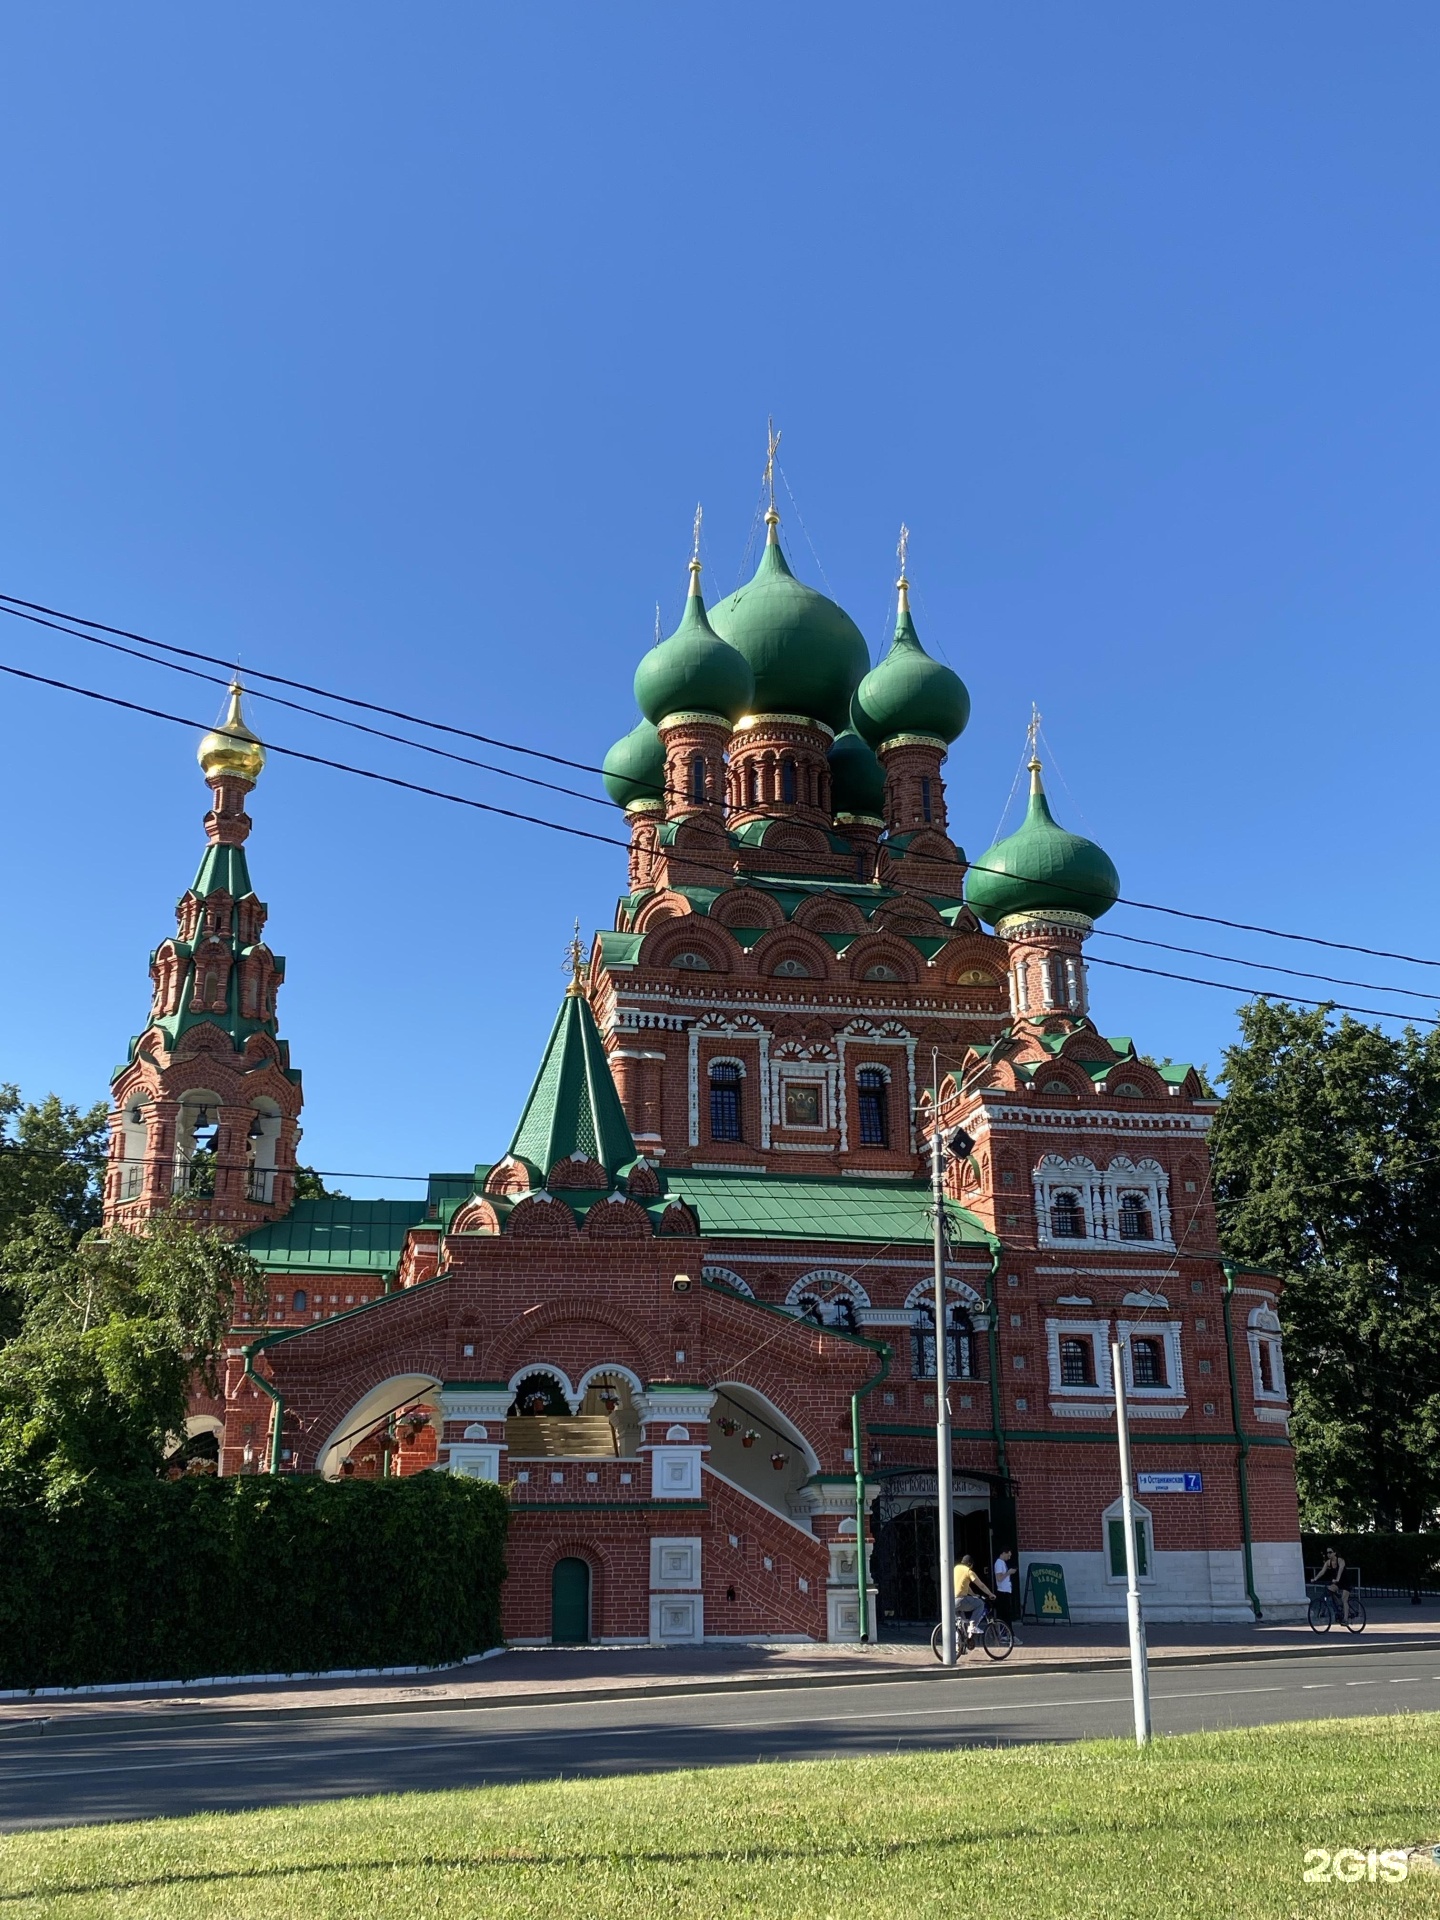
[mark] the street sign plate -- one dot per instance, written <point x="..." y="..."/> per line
<point x="1169" y="1483"/>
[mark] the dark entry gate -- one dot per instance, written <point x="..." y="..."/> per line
<point x="905" y="1526"/>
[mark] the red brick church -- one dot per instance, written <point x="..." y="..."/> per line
<point x="699" y="1276"/>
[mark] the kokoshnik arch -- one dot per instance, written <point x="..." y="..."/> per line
<point x="647" y="1317"/>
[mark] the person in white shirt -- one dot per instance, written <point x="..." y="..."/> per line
<point x="1005" y="1588"/>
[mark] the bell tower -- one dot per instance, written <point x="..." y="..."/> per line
<point x="206" y="1106"/>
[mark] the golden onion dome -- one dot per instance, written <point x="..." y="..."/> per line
<point x="231" y="751"/>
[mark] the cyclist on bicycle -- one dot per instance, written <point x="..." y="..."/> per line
<point x="1329" y="1575"/>
<point x="968" y="1588"/>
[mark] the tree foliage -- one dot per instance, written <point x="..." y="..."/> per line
<point x="52" y="1158"/>
<point x="112" y="1333"/>
<point x="1327" y="1172"/>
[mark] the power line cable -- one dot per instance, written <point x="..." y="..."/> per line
<point x="609" y="840"/>
<point x="1269" y="966"/>
<point x="9" y="603"/>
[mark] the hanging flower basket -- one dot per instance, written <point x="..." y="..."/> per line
<point x="749" y="1437"/>
<point x="728" y="1427"/>
<point x="609" y="1399"/>
<point x="778" y="1460"/>
<point x="536" y="1402"/>
<point x="347" y="1467"/>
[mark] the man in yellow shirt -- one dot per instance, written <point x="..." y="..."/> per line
<point x="968" y="1588"/>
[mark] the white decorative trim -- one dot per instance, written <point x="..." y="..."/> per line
<point x="675" y="1561"/>
<point x="1116" y="1511"/>
<point x="1098" y="1334"/>
<point x="1169" y="1332"/>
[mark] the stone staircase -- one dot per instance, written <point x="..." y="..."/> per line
<point x="551" y="1436"/>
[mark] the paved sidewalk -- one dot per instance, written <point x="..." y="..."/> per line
<point x="535" y="1673"/>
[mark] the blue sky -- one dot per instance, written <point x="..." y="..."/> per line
<point x="392" y="348"/>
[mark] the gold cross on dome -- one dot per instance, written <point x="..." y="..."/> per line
<point x="902" y="550"/>
<point x="772" y="447"/>
<point x="575" y="963"/>
<point x="1032" y="734"/>
<point x="695" y="547"/>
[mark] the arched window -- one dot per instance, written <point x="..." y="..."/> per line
<point x="301" y="1302"/>
<point x="1067" y="1217"/>
<point x="787" y="782"/>
<point x="874" y="1120"/>
<point x="752" y="785"/>
<point x="959" y="1344"/>
<point x="697" y="776"/>
<point x="725" y="1101"/>
<point x="1135" y="1216"/>
<point x="1147" y="1362"/>
<point x="1077" y="1363"/>
<point x="925" y="797"/>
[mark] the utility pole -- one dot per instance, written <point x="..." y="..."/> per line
<point x="944" y="1477"/>
<point x="1139" y="1662"/>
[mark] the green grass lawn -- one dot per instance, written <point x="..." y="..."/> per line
<point x="1214" y="1825"/>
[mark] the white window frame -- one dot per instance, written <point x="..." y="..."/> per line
<point x="1264" y="1324"/>
<point x="1169" y="1332"/>
<point x="1097" y="1332"/>
<point x="1078" y="1174"/>
<point x="1116" y="1511"/>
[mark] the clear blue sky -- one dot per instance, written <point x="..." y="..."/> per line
<point x="392" y="348"/>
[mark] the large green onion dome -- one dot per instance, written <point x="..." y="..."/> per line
<point x="694" y="671"/>
<point x="909" y="692"/>
<point x="1042" y="869"/>
<point x="806" y="653"/>
<point x="635" y="768"/>
<point x="857" y="779"/>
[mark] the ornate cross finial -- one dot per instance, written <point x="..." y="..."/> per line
<point x="902" y="553"/>
<point x="575" y="963"/>
<point x="695" y="552"/>
<point x="1032" y="734"/>
<point x="657" y="623"/>
<point x="772" y="447"/>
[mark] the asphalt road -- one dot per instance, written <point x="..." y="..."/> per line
<point x="135" y="1768"/>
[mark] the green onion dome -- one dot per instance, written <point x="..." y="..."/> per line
<point x="857" y="779"/>
<point x="806" y="653"/>
<point x="1042" y="869"/>
<point x="635" y="768"/>
<point x="909" y="692"/>
<point x="694" y="671"/>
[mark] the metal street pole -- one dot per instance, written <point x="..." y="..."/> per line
<point x="1139" y="1663"/>
<point x="944" y="1479"/>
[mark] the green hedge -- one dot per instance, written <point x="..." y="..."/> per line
<point x="174" y="1580"/>
<point x="1384" y="1559"/>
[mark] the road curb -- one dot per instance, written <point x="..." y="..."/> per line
<point x="679" y="1689"/>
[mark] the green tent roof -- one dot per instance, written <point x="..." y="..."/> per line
<point x="337" y="1236"/>
<point x="768" y="1206"/>
<point x="573" y="1106"/>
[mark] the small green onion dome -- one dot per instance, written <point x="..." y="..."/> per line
<point x="694" y="671"/>
<point x="909" y="692"/>
<point x="806" y="653"/>
<point x="857" y="779"/>
<point x="1042" y="869"/>
<point x="635" y="768"/>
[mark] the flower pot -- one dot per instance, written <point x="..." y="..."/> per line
<point x="777" y="1460"/>
<point x="749" y="1439"/>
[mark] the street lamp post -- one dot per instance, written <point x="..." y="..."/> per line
<point x="1139" y="1663"/>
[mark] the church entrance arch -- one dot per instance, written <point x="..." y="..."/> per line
<point x="570" y="1602"/>
<point x="905" y="1527"/>
<point x="385" y="1397"/>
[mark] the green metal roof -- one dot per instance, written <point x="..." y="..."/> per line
<point x="573" y="1106"/>
<point x="337" y="1236"/>
<point x="768" y="1206"/>
<point x="223" y="869"/>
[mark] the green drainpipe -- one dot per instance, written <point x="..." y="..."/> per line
<point x="1243" y="1464"/>
<point x="277" y="1419"/>
<point x="862" y="1567"/>
<point x="997" y="1424"/>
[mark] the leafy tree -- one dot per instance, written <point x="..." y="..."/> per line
<point x="113" y="1333"/>
<point x="1327" y="1172"/>
<point x="52" y="1157"/>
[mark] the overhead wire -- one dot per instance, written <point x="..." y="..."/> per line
<point x="47" y="615"/>
<point x="610" y="840"/>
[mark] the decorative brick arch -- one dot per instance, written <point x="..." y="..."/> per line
<point x="585" y="1327"/>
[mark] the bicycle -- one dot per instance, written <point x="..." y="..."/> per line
<point x="991" y="1633"/>
<point x="1325" y="1610"/>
